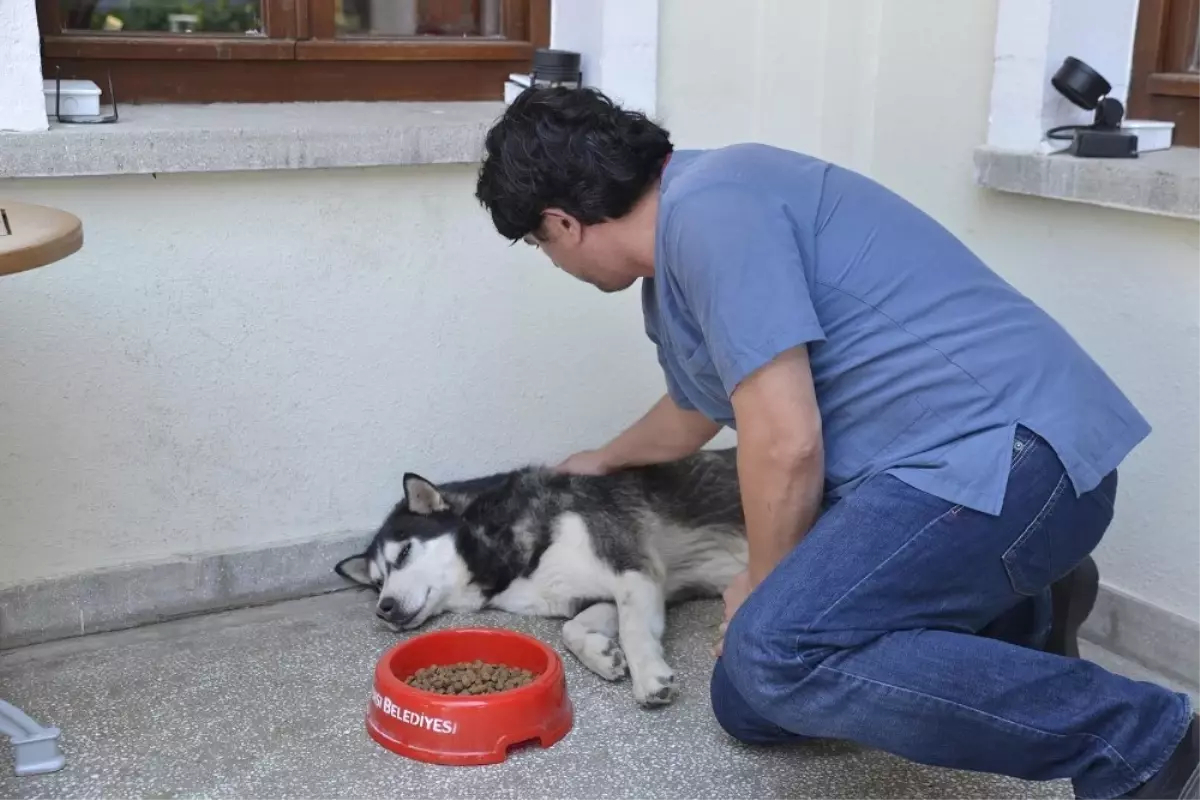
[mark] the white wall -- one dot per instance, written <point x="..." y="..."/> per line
<point x="618" y="45"/>
<point x="900" y="91"/>
<point x="22" y="105"/>
<point x="240" y="359"/>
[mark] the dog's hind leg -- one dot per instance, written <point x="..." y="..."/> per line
<point x="592" y="636"/>
<point x="641" y="617"/>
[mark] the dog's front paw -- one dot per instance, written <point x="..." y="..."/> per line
<point x="655" y="687"/>
<point x="609" y="663"/>
<point x="603" y="656"/>
<point x="600" y="653"/>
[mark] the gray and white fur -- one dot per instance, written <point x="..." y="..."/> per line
<point x="606" y="552"/>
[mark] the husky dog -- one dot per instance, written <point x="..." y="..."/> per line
<point x="607" y="552"/>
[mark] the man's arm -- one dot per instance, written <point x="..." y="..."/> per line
<point x="742" y="273"/>
<point x="780" y="458"/>
<point x="665" y="433"/>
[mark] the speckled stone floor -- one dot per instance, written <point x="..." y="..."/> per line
<point x="269" y="702"/>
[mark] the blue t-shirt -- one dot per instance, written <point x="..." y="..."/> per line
<point x="924" y="360"/>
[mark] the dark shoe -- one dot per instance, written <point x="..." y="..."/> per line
<point x="1179" y="779"/>
<point x="1072" y="599"/>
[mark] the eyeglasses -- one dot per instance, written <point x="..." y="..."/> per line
<point x="72" y="119"/>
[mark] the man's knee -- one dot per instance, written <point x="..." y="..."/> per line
<point x="771" y="659"/>
<point x="759" y="656"/>
<point x="728" y="707"/>
<point x="737" y="718"/>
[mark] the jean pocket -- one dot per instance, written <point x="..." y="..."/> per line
<point x="1029" y="561"/>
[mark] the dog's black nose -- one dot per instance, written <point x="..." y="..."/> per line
<point x="387" y="605"/>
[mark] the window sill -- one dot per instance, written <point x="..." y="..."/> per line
<point x="249" y="137"/>
<point x="1165" y="183"/>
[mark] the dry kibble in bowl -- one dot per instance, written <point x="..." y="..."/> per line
<point x="469" y="678"/>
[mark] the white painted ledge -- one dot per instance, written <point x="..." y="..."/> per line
<point x="1166" y="183"/>
<point x="249" y="137"/>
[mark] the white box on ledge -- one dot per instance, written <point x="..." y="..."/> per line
<point x="516" y="83"/>
<point x="1152" y="134"/>
<point x="78" y="98"/>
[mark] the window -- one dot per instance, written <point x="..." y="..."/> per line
<point x="1166" y="67"/>
<point x="206" y="51"/>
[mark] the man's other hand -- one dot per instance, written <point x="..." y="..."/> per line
<point x="734" y="595"/>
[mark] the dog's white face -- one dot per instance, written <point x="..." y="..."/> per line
<point x="418" y="579"/>
<point x="413" y="561"/>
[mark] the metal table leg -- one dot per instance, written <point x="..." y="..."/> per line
<point x="35" y="749"/>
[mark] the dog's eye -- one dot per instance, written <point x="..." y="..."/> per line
<point x="403" y="553"/>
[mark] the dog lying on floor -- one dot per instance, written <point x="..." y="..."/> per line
<point x="607" y="552"/>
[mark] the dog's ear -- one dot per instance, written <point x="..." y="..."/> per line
<point x="355" y="570"/>
<point x="422" y="496"/>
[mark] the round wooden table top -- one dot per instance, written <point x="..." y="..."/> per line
<point x="34" y="236"/>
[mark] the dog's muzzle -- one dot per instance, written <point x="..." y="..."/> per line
<point x="393" y="614"/>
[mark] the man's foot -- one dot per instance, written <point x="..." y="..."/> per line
<point x="1179" y="779"/>
<point x="1073" y="598"/>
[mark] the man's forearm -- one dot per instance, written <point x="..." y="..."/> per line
<point x="781" y="497"/>
<point x="665" y="433"/>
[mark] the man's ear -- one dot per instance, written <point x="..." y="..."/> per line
<point x="422" y="496"/>
<point x="355" y="570"/>
<point x="559" y="226"/>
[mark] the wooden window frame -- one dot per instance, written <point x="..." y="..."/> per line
<point x="1160" y="86"/>
<point x="299" y="59"/>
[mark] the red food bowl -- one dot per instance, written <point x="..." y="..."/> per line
<point x="462" y="731"/>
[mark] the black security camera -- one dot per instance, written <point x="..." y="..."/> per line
<point x="1088" y="90"/>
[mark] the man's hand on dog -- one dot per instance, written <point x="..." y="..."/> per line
<point x="735" y="594"/>
<point x="588" y="462"/>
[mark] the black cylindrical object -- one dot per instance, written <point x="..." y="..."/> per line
<point x="1080" y="84"/>
<point x="556" y="68"/>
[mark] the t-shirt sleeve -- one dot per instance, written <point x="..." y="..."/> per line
<point x="734" y="257"/>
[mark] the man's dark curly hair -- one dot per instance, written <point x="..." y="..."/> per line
<point x="572" y="149"/>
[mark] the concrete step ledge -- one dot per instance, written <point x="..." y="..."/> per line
<point x="144" y="593"/>
<point x="1153" y="637"/>
<point x="249" y="137"/>
<point x="1164" y="183"/>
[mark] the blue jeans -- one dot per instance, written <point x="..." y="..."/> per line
<point x="907" y="624"/>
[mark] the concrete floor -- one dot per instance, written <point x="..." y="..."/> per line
<point x="270" y="702"/>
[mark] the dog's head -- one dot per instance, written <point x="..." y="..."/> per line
<point x="413" y="561"/>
